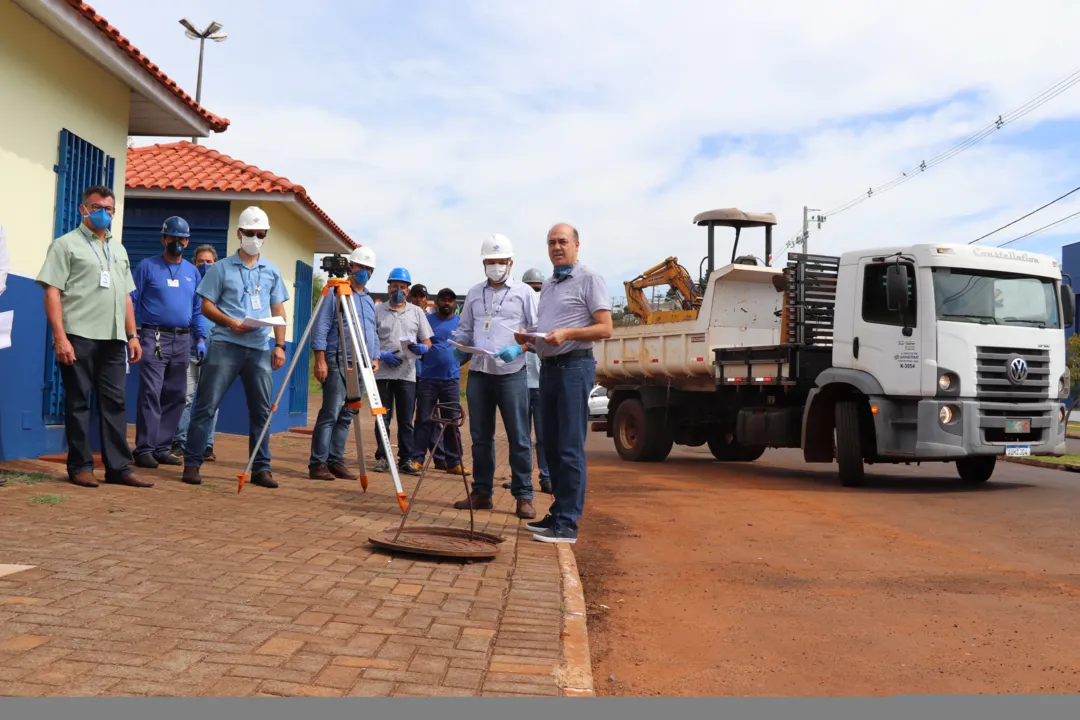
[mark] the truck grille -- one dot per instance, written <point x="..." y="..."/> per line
<point x="992" y="374"/>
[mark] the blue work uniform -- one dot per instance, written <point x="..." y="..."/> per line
<point x="168" y="312"/>
<point x="438" y="381"/>
<point x="331" y="431"/>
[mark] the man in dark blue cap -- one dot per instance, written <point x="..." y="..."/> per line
<point x="169" y="314"/>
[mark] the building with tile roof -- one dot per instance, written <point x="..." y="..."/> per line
<point x="74" y="90"/>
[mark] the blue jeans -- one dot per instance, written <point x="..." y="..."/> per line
<point x="565" y="384"/>
<point x="225" y="361"/>
<point x="193" y="374"/>
<point x="538" y="429"/>
<point x="399" y="398"/>
<point x="510" y="394"/>
<point x="334" y="420"/>
<point x="426" y="438"/>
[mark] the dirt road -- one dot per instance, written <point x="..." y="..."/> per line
<point x="770" y="579"/>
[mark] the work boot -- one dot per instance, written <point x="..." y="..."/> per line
<point x="177" y="450"/>
<point x="84" y="479"/>
<point x="340" y="471"/>
<point x="439" y="465"/>
<point x="479" y="502"/>
<point x="146" y="460"/>
<point x="265" y="479"/>
<point x="191" y="475"/>
<point x="209" y="455"/>
<point x="458" y="469"/>
<point x="545" y="487"/>
<point x="382" y="466"/>
<point x="410" y="467"/>
<point x="168" y="459"/>
<point x="505" y="485"/>
<point x="320" y="472"/>
<point x="525" y="509"/>
<point x="130" y="480"/>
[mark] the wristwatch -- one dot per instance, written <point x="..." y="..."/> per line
<point x="131" y="336"/>
<point x="280" y="346"/>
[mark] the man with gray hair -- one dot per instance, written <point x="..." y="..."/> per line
<point x="574" y="311"/>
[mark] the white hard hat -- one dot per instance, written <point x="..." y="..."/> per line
<point x="363" y="256"/>
<point x="496" y="247"/>
<point x="253" y="218"/>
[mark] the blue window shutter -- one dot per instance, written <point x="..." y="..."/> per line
<point x="298" y="389"/>
<point x="79" y="165"/>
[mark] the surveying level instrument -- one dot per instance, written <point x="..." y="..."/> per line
<point x="357" y="369"/>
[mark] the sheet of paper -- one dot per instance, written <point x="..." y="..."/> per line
<point x="405" y="343"/>
<point x="7" y="320"/>
<point x="526" y="334"/>
<point x="469" y="350"/>
<point x="272" y="321"/>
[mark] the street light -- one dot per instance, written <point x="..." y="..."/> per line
<point x="212" y="32"/>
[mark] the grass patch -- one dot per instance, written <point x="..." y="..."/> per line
<point x="49" y="499"/>
<point x="26" y="478"/>
<point x="1066" y="459"/>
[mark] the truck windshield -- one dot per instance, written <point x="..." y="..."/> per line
<point x="974" y="296"/>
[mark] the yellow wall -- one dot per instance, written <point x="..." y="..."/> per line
<point x="290" y="239"/>
<point x="46" y="86"/>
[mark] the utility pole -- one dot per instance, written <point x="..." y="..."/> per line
<point x="806" y="223"/>
<point x="212" y="32"/>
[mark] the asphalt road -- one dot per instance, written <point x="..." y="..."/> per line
<point x="769" y="578"/>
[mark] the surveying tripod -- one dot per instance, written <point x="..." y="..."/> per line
<point x="359" y="369"/>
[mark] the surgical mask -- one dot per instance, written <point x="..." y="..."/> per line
<point x="100" y="219"/>
<point x="561" y="271"/>
<point x="175" y="248"/>
<point x="360" y="277"/>
<point x="251" y="245"/>
<point x="397" y="296"/>
<point x="202" y="268"/>
<point x="496" y="273"/>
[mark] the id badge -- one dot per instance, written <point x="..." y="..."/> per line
<point x="106" y="279"/>
<point x="487" y="323"/>
<point x="174" y="283"/>
<point x="256" y="302"/>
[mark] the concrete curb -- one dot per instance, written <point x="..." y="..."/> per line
<point x="1043" y="464"/>
<point x="574" y="676"/>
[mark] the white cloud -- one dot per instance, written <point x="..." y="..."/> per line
<point x="525" y="115"/>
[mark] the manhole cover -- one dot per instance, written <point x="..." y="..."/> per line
<point x="444" y="542"/>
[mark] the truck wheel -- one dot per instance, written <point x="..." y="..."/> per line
<point x="976" y="469"/>
<point x="849" y="445"/>
<point x="640" y="436"/>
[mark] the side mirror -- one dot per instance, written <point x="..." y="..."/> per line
<point x="896" y="287"/>
<point x="1068" y="306"/>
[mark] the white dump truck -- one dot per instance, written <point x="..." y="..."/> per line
<point x="921" y="353"/>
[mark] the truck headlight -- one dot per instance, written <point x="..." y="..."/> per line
<point x="947" y="414"/>
<point x="1064" y="385"/>
<point x="944" y="382"/>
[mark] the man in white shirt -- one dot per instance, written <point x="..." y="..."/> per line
<point x="493" y="311"/>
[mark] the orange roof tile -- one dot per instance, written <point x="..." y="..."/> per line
<point x="184" y="165"/>
<point x="217" y="124"/>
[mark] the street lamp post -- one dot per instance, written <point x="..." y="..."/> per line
<point x="212" y="32"/>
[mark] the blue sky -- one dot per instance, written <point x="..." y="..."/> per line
<point x="421" y="127"/>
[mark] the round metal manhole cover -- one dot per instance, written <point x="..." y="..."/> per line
<point x="444" y="542"/>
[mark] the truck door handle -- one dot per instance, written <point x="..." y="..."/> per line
<point x="855" y="348"/>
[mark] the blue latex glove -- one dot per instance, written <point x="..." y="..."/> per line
<point x="200" y="351"/>
<point x="418" y="348"/>
<point x="390" y="358"/>
<point x="508" y="353"/>
<point x="459" y="356"/>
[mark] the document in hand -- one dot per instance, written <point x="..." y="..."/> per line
<point x="539" y="335"/>
<point x="272" y="321"/>
<point x="469" y="350"/>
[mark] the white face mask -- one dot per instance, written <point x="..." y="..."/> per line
<point x="251" y="245"/>
<point x="496" y="273"/>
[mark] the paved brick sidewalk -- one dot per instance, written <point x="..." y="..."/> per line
<point x="183" y="591"/>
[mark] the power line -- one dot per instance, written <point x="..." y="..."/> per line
<point x="1039" y="230"/>
<point x="1031" y="105"/>
<point x="1062" y="197"/>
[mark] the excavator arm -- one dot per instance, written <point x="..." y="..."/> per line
<point x="671" y="273"/>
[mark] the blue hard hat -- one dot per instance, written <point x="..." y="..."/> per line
<point x="400" y="274"/>
<point x="176" y="227"/>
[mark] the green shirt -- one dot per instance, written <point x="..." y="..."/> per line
<point x="73" y="265"/>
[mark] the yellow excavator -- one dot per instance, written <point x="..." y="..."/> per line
<point x="670" y="272"/>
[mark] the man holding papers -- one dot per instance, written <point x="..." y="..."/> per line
<point x="244" y="296"/>
<point x="493" y="311"/>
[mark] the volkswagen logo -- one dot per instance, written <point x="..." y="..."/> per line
<point x="1017" y="370"/>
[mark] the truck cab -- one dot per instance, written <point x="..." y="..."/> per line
<point x="947" y="353"/>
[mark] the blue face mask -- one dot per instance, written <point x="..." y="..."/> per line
<point x="202" y="268"/>
<point x="397" y="297"/>
<point x="100" y="219"/>
<point x="561" y="271"/>
<point x="361" y="276"/>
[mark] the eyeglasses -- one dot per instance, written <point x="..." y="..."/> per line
<point x="261" y="234"/>
<point x="107" y="208"/>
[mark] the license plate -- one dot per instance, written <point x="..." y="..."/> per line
<point x="1017" y="450"/>
<point x="1017" y="426"/>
